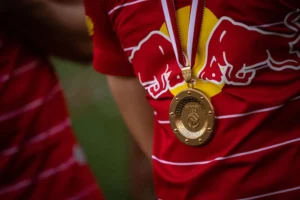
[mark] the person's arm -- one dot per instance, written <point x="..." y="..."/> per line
<point x="136" y="111"/>
<point x="111" y="60"/>
<point x="57" y="27"/>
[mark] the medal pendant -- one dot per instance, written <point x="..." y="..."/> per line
<point x="192" y="117"/>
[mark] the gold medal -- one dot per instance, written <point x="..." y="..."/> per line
<point x="192" y="117"/>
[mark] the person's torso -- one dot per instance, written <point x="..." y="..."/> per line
<point x="39" y="155"/>
<point x="248" y="63"/>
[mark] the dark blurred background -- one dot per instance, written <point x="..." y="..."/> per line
<point x="120" y="168"/>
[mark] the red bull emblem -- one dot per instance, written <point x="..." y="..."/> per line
<point x="158" y="85"/>
<point x="235" y="52"/>
<point x="228" y="61"/>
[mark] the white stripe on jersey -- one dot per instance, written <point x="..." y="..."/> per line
<point x="124" y="5"/>
<point x="227" y="157"/>
<point x="242" y="114"/>
<point x="19" y="71"/>
<point x="58" y="128"/>
<point x="50" y="172"/>
<point x="30" y="106"/>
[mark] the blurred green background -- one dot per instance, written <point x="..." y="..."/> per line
<point x="98" y="125"/>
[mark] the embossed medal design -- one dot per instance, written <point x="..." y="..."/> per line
<point x="192" y="117"/>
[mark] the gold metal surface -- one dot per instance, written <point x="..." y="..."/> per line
<point x="192" y="117"/>
<point x="187" y="74"/>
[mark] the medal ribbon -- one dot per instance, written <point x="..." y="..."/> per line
<point x="196" y="15"/>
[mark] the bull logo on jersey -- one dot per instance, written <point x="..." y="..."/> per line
<point x="158" y="85"/>
<point x="222" y="65"/>
<point x="222" y="56"/>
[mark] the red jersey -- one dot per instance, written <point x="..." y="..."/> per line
<point x="39" y="155"/>
<point x="248" y="63"/>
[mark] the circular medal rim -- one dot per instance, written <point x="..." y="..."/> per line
<point x="211" y="121"/>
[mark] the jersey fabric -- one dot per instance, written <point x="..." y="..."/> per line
<point x="39" y="155"/>
<point x="248" y="63"/>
